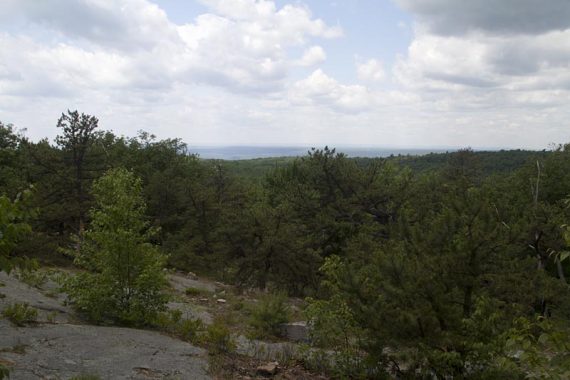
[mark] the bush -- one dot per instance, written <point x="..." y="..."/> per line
<point x="86" y="377"/>
<point x="195" y="292"/>
<point x="188" y="329"/>
<point x="4" y="372"/>
<point x="20" y="314"/>
<point x="13" y="229"/>
<point x="268" y="315"/>
<point x="127" y="276"/>
<point x="32" y="277"/>
<point x="218" y="339"/>
<point x="334" y="331"/>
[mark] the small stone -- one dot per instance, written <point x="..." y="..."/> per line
<point x="204" y="300"/>
<point x="192" y="276"/>
<point x="268" y="369"/>
<point x="221" y="300"/>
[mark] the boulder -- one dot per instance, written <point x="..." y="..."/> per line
<point x="295" y="331"/>
<point x="268" y="370"/>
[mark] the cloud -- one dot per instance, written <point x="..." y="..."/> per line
<point x="371" y="70"/>
<point x="294" y="19"/>
<point x="248" y="71"/>
<point x="312" y="56"/>
<point x="452" y="17"/>
<point x="123" y="25"/>
<point x="321" y="89"/>
<point x="460" y="57"/>
<point x="243" y="46"/>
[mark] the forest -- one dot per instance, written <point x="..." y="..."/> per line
<point x="451" y="265"/>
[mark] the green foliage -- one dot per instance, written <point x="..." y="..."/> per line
<point x="4" y="372"/>
<point x="20" y="314"/>
<point x="32" y="276"/>
<point x="195" y="292"/>
<point x="125" y="275"/>
<point x="13" y="229"/>
<point x="78" y="135"/>
<point x="86" y="377"/>
<point x="218" y="339"/>
<point x="540" y="349"/>
<point x="254" y="169"/>
<point x="188" y="329"/>
<point x="417" y="266"/>
<point x="491" y="162"/>
<point x="268" y="315"/>
<point x="334" y="330"/>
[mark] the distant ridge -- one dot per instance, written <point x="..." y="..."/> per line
<point x="251" y="152"/>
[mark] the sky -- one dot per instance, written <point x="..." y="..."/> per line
<point x="386" y="73"/>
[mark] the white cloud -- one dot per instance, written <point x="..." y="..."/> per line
<point x="243" y="46"/>
<point x="502" y="78"/>
<point x="312" y="56"/>
<point x="231" y="75"/>
<point x="123" y="25"/>
<point x="321" y="89"/>
<point x="371" y="70"/>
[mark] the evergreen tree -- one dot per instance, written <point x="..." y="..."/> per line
<point x="76" y="143"/>
<point x="13" y="229"/>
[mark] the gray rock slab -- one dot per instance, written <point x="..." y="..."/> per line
<point x="191" y="311"/>
<point x="182" y="282"/>
<point x="62" y="351"/>
<point x="16" y="291"/>
<point x="295" y="331"/>
<point x="266" y="351"/>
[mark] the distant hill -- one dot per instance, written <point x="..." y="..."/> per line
<point x="256" y="152"/>
<point x="492" y="162"/>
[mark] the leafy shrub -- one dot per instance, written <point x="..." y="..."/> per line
<point x="4" y="372"/>
<point x="194" y="292"/>
<point x="19" y="349"/>
<point x="542" y="347"/>
<point x="32" y="277"/>
<point x="166" y="320"/>
<point x="51" y="317"/>
<point x="86" y="377"/>
<point x="188" y="329"/>
<point x="333" y="329"/>
<point x="218" y="339"/>
<point x="268" y="315"/>
<point x="127" y="276"/>
<point x="20" y="314"/>
<point x="12" y="230"/>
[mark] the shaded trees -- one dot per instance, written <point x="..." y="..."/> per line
<point x="13" y="229"/>
<point x="76" y="143"/>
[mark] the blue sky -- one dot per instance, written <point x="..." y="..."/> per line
<point x="389" y="73"/>
<point x="372" y="28"/>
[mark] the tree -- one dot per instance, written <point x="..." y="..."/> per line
<point x="76" y="141"/>
<point x="12" y="178"/>
<point x="125" y="277"/>
<point x="12" y="229"/>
